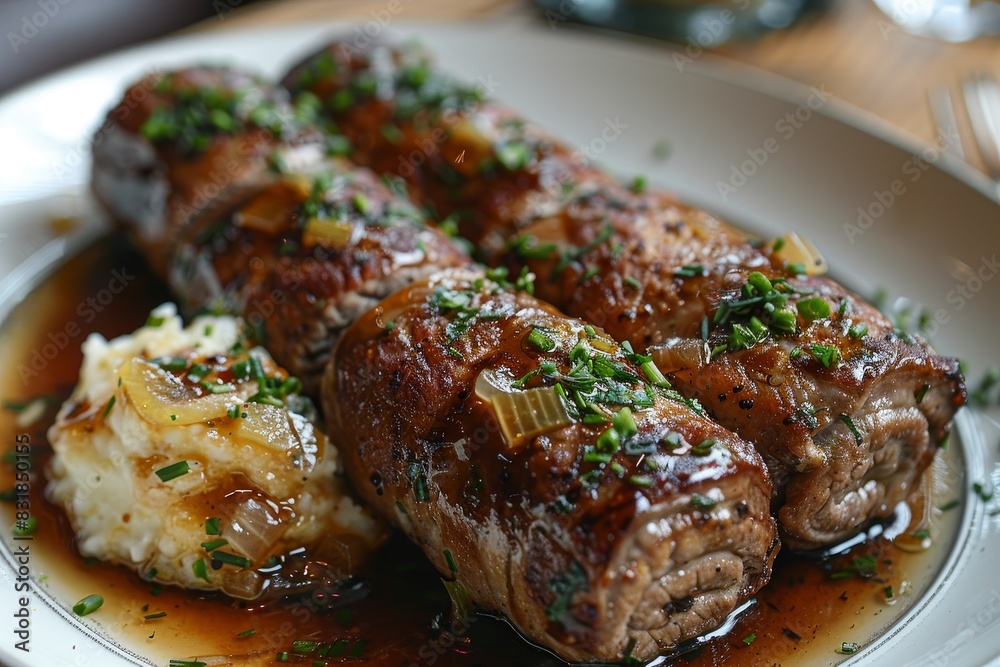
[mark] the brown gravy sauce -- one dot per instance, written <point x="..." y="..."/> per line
<point x="803" y="616"/>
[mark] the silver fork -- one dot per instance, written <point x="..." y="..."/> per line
<point x="982" y="103"/>
<point x="981" y="97"/>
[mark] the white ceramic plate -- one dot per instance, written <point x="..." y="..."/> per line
<point x="762" y="152"/>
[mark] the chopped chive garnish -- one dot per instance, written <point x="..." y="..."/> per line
<point x="358" y="649"/>
<point x="539" y="340"/>
<point x="171" y="363"/>
<point x="950" y="505"/>
<point x="303" y="647"/>
<point x="826" y="354"/>
<point x="88" y="605"/>
<point x="337" y="649"/>
<point x="846" y="418"/>
<point x="888" y="592"/>
<point x="703" y="447"/>
<point x="594" y="456"/>
<point x="641" y="480"/>
<point x="750" y="638"/>
<point x="155" y="615"/>
<point x="981" y="491"/>
<point x="798" y="268"/>
<point x="922" y="534"/>
<point x="590" y="331"/>
<point x="632" y="282"/>
<point x="813" y="308"/>
<point x="450" y="558"/>
<point x="921" y="393"/>
<point x="247" y="633"/>
<point x="700" y="502"/>
<point x="848" y="648"/>
<point x="361" y="203"/>
<point x="282" y="656"/>
<point x="212" y="545"/>
<point x="200" y="570"/>
<point x="212" y="526"/>
<point x="233" y="411"/>
<point x="218" y="387"/>
<point x="155" y="320"/>
<point x="107" y="408"/>
<point x="187" y="663"/>
<point x="23" y="528"/>
<point x="690" y="271"/>
<point x="858" y="330"/>
<point x="420" y="491"/>
<point x="197" y="372"/>
<point x="173" y="471"/>
<point x="231" y="559"/>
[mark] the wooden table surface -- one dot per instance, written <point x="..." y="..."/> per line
<point x="851" y="49"/>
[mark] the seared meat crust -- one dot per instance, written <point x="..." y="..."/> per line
<point x="661" y="542"/>
<point x="230" y="197"/>
<point x="654" y="272"/>
<point x="656" y="544"/>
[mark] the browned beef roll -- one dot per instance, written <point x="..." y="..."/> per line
<point x="232" y="198"/>
<point x="535" y="463"/>
<point x="630" y="522"/>
<point x="846" y="412"/>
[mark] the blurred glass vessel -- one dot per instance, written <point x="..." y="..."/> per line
<point x="705" y="23"/>
<point x="950" y="20"/>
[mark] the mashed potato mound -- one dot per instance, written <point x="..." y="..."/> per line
<point x="194" y="461"/>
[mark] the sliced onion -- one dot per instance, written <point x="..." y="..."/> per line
<point x="272" y="211"/>
<point x="522" y="414"/>
<point x="253" y="528"/>
<point x="603" y="344"/>
<point x="162" y="398"/>
<point x="329" y="233"/>
<point x="678" y="354"/>
<point x="277" y="429"/>
<point x="244" y="584"/>
<point x="800" y="250"/>
<point x="266" y="426"/>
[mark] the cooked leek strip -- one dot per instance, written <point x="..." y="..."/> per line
<point x="522" y="414"/>
<point x="162" y="398"/>
<point x="265" y="425"/>
<point x="678" y="354"/>
<point x="328" y="233"/>
<point x="794" y="249"/>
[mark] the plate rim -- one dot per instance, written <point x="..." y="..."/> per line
<point x="711" y="66"/>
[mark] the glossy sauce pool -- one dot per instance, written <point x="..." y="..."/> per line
<point x="810" y="608"/>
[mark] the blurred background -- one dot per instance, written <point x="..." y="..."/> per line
<point x="925" y="66"/>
